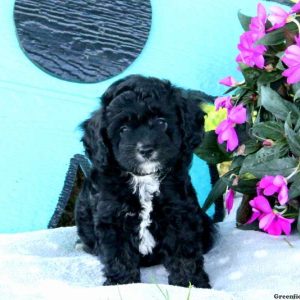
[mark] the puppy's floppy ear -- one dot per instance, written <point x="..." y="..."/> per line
<point x="192" y="118"/>
<point x="94" y="139"/>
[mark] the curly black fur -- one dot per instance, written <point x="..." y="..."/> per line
<point x="145" y="129"/>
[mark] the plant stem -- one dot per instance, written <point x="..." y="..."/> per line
<point x="189" y="294"/>
<point x="119" y="292"/>
<point x="257" y="137"/>
<point x="288" y="242"/>
<point x="165" y="295"/>
<point x="294" y="172"/>
<point x="297" y="23"/>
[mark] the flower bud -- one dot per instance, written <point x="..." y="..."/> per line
<point x="268" y="143"/>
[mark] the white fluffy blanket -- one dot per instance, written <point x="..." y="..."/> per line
<point x="243" y="265"/>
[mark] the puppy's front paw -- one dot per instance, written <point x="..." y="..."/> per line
<point x="200" y="281"/>
<point x="109" y="282"/>
<point x="202" y="284"/>
<point x="124" y="280"/>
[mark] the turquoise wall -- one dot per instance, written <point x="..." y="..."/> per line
<point x="191" y="43"/>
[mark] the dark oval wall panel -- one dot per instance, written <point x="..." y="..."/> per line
<point x="82" y="40"/>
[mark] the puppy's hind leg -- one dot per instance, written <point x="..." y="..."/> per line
<point x="85" y="224"/>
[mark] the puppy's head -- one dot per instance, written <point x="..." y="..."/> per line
<point x="145" y="126"/>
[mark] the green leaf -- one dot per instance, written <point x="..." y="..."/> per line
<point x="293" y="138"/>
<point x="231" y="89"/>
<point x="268" y="77"/>
<point x="251" y="146"/>
<point x="297" y="126"/>
<point x="246" y="183"/>
<point x="237" y="162"/>
<point x="244" y="20"/>
<point x="269" y="153"/>
<point x="216" y="192"/>
<point x="296" y="89"/>
<point x="242" y="93"/>
<point x="278" y="36"/>
<point x="210" y="150"/>
<point x="269" y="130"/>
<point x="283" y="166"/>
<point x="278" y="106"/>
<point x="247" y="176"/>
<point x="246" y="186"/>
<point x="251" y="76"/>
<point x="280" y="66"/>
<point x="294" y="190"/>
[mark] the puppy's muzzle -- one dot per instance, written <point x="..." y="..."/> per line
<point x="146" y="150"/>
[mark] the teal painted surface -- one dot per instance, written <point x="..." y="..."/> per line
<point x="190" y="43"/>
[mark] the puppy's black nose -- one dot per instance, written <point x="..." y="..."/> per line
<point x="145" y="150"/>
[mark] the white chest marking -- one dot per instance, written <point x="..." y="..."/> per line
<point x="146" y="186"/>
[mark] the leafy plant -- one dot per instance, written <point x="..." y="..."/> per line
<point x="260" y="134"/>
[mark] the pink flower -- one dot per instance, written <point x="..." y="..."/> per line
<point x="250" y="53"/>
<point x="226" y="133"/>
<point x="268" y="143"/>
<point x="295" y="8"/>
<point x="238" y="114"/>
<point x="291" y="58"/>
<point x="274" y="184"/>
<point x="257" y="24"/>
<point x="229" y="197"/>
<point x="269" y="220"/>
<point x="224" y="102"/>
<point x="228" y="81"/>
<point x="278" y="17"/>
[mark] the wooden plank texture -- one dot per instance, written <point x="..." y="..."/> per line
<point x="82" y="40"/>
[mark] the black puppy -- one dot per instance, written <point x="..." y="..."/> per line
<point x="138" y="207"/>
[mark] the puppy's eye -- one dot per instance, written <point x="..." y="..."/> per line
<point x="162" y="123"/>
<point x="124" y="128"/>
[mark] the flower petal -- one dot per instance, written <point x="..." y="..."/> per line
<point x="223" y="102"/>
<point x="285" y="224"/>
<point x="238" y="114"/>
<point x="271" y="190"/>
<point x="259" y="61"/>
<point x="254" y="216"/>
<point x="229" y="200"/>
<point x="228" y="81"/>
<point x="261" y="203"/>
<point x="295" y="8"/>
<point x="250" y="53"/>
<point x="232" y="141"/>
<point x="261" y="13"/>
<point x="283" y="195"/>
<point x="279" y="181"/>
<point x="265" y="181"/>
<point x="223" y="126"/>
<point x="257" y="23"/>
<point x="266" y="221"/>
<point x="278" y="17"/>
<point x="291" y="55"/>
<point x="274" y="228"/>
<point x="278" y="11"/>
<point x="294" y="77"/>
